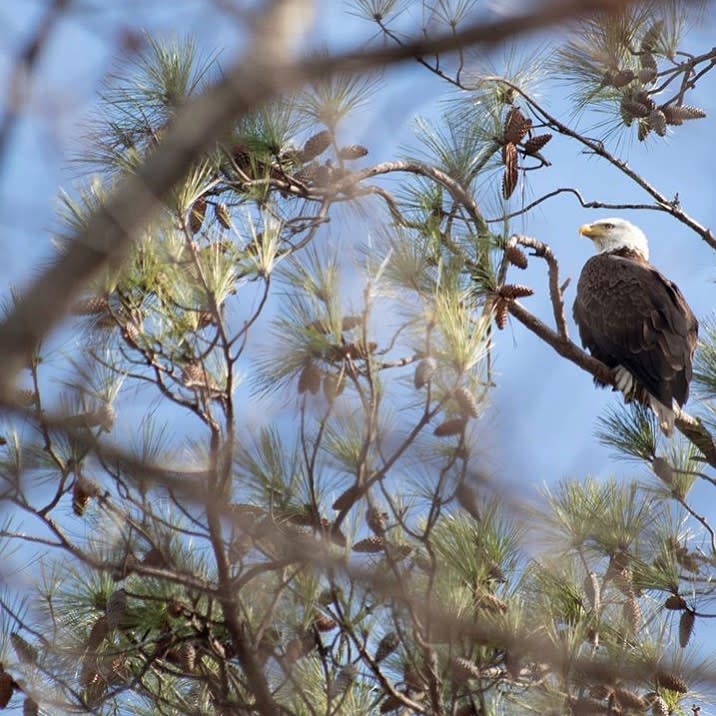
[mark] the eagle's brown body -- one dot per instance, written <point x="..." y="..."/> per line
<point x="630" y="315"/>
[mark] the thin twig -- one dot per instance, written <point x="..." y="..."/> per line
<point x="258" y="76"/>
<point x="583" y="202"/>
<point x="556" y="291"/>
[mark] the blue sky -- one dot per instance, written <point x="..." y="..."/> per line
<point x="544" y="411"/>
<point x="540" y="426"/>
<point x="547" y="406"/>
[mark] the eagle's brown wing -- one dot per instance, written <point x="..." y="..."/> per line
<point x="629" y="314"/>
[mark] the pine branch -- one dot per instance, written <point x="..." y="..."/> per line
<point x="671" y="206"/>
<point x="197" y="126"/>
<point x="556" y="291"/>
<point x="594" y="204"/>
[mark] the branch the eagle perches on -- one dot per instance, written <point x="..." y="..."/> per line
<point x="692" y="428"/>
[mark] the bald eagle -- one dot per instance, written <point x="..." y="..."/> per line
<point x="636" y="321"/>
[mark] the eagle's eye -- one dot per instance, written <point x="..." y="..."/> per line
<point x="608" y="226"/>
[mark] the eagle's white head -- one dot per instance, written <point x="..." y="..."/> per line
<point x="613" y="234"/>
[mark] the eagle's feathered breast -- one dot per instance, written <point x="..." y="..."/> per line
<point x="631" y="315"/>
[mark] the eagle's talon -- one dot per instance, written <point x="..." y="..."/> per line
<point x="624" y="382"/>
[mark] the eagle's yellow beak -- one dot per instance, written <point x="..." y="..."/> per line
<point x="590" y="230"/>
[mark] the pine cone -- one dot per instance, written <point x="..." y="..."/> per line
<point x="687" y="111"/>
<point x="511" y="291"/>
<point x="316" y="145"/>
<point x="424" y="372"/>
<point x="630" y="699"/>
<point x="370" y="545"/>
<point x="193" y="375"/>
<point x="117" y="672"/>
<point x="643" y="130"/>
<point x="187" y="657"/>
<point x="659" y="707"/>
<point x="346" y="676"/>
<point x="26" y="654"/>
<point x="324" y="623"/>
<point x="672" y="682"/>
<point x="675" y="602"/>
<point x="534" y="144"/>
<point x="501" y="309"/>
<point x="509" y="154"/>
<point x="300" y="646"/>
<point x="686" y="627"/>
<point x="88" y="672"/>
<point x="197" y="214"/>
<point x="490" y="602"/>
<point x="647" y="61"/>
<point x="352" y="151"/>
<point x="387" y="645"/>
<point x="347" y="498"/>
<point x="632" y="109"/>
<point x="241" y="155"/>
<point x="651" y="37"/>
<point x="516" y="126"/>
<point x="619" y="560"/>
<point x="466" y="401"/>
<point x="82" y="490"/>
<point x="309" y="379"/>
<point x="154" y="558"/>
<point x="222" y="215"/>
<point x="622" y="78"/>
<point x="516" y="256"/>
<point x="463" y="670"/>
<point x="600" y="692"/>
<point x="657" y="121"/>
<point x="97" y="634"/>
<point x="467" y="499"/>
<point x="307" y="175"/>
<point x="450" y="427"/>
<point x="509" y="177"/>
<point x="687" y="560"/>
<point x="676" y="114"/>
<point x="116" y="609"/>
<point x="647" y="75"/>
<point x="132" y="331"/>
<point x="95" y="689"/>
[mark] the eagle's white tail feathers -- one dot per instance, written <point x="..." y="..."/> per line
<point x="627" y="385"/>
